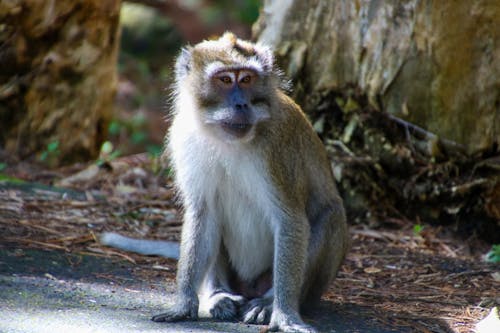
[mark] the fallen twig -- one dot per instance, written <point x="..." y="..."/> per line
<point x="111" y="253"/>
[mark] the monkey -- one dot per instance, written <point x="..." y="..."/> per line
<point x="264" y="228"/>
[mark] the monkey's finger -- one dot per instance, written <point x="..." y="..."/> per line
<point x="264" y="316"/>
<point x="193" y="313"/>
<point x="169" y="317"/>
<point x="250" y="316"/>
<point x="162" y="317"/>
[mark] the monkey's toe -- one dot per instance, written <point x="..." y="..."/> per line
<point x="179" y="311"/>
<point x="289" y="323"/>
<point x="169" y="317"/>
<point x="257" y="311"/>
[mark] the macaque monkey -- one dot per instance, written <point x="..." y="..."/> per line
<point x="264" y="228"/>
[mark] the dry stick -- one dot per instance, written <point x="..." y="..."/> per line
<point x="35" y="226"/>
<point x="29" y="241"/>
<point x="405" y="298"/>
<point x="384" y="235"/>
<point x="448" y="250"/>
<point x="433" y="301"/>
<point x="476" y="272"/>
<point x="110" y="252"/>
<point x="74" y="239"/>
<point x="447" y="144"/>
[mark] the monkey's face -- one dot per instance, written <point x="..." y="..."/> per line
<point x="231" y="82"/>
<point x="234" y="101"/>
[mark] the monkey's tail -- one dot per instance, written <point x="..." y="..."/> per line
<point x="143" y="246"/>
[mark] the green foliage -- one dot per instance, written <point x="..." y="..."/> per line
<point x="11" y="180"/>
<point x="107" y="153"/>
<point x="134" y="129"/>
<point x="50" y="153"/>
<point x="167" y="173"/>
<point x="3" y="166"/>
<point x="493" y="255"/>
<point x="106" y="148"/>
<point x="244" y="11"/>
<point x="417" y="229"/>
<point x="114" y="127"/>
<point x="154" y="150"/>
<point x="138" y="137"/>
<point x="249" y="11"/>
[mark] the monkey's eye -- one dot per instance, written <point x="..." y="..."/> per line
<point x="225" y="79"/>
<point x="246" y="79"/>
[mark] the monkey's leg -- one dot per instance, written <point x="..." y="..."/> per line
<point x="290" y="257"/>
<point x="327" y="248"/>
<point x="217" y="299"/>
<point x="199" y="244"/>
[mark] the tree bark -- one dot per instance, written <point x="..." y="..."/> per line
<point x="433" y="63"/>
<point x="406" y="96"/>
<point x="58" y="76"/>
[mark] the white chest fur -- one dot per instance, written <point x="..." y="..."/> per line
<point x="245" y="222"/>
<point x="234" y="186"/>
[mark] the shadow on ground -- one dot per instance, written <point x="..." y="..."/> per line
<point x="53" y="291"/>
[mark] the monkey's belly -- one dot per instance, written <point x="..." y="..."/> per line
<point x="251" y="289"/>
<point x="248" y="239"/>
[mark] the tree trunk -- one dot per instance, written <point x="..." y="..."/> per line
<point x="406" y="94"/>
<point x="57" y="78"/>
<point x="433" y="63"/>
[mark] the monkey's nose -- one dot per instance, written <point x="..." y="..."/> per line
<point x="241" y="106"/>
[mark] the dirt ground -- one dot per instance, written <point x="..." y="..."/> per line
<point x="428" y="280"/>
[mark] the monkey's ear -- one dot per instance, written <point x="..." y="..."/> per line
<point x="183" y="63"/>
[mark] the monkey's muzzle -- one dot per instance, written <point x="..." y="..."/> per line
<point x="237" y="129"/>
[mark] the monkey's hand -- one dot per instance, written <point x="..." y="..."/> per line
<point x="289" y="323"/>
<point x="184" y="307"/>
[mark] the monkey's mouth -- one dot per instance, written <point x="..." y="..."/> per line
<point x="237" y="129"/>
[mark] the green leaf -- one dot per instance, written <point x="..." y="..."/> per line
<point x="106" y="148"/>
<point x="493" y="255"/>
<point x="11" y="180"/>
<point x="114" y="155"/>
<point x="138" y="137"/>
<point x="417" y="229"/>
<point x="44" y="155"/>
<point x="53" y="146"/>
<point x="114" y="127"/>
<point x="154" y="150"/>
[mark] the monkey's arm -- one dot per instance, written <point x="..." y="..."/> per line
<point x="199" y="245"/>
<point x="291" y="242"/>
<point x="142" y="246"/>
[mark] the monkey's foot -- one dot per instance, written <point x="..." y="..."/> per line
<point x="224" y="306"/>
<point x="289" y="324"/>
<point x="257" y="311"/>
<point x="179" y="311"/>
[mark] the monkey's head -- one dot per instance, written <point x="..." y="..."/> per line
<point x="229" y="83"/>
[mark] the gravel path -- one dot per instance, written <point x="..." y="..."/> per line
<point x="52" y="291"/>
